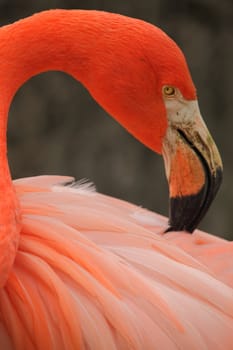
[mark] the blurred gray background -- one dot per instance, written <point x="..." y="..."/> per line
<point x="56" y="128"/>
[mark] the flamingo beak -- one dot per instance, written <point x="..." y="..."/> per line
<point x="193" y="166"/>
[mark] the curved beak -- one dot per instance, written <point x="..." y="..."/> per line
<point x="193" y="166"/>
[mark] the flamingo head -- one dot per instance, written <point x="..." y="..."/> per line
<point x="142" y="78"/>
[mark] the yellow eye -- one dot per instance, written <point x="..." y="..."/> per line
<point x="169" y="91"/>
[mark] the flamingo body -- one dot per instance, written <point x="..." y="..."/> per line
<point x="80" y="270"/>
<point x="84" y="280"/>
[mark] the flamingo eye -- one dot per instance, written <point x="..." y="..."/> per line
<point x="169" y="91"/>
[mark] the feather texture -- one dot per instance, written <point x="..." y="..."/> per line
<point x="77" y="277"/>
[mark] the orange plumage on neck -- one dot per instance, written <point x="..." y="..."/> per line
<point x="123" y="62"/>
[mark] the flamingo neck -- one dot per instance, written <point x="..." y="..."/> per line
<point x="27" y="48"/>
<point x="104" y="51"/>
<point x="52" y="40"/>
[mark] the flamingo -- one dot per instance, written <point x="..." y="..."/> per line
<point x="81" y="270"/>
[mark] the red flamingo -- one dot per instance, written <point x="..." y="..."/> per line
<point x="80" y="270"/>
